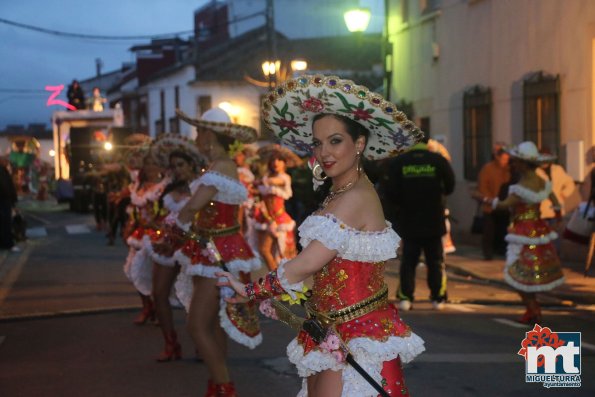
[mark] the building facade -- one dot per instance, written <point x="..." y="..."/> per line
<point x="482" y="71"/>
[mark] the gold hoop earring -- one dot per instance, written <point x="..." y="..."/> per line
<point x="318" y="173"/>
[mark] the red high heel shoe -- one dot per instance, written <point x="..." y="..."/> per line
<point x="211" y="389"/>
<point x="531" y="317"/>
<point x="225" y="390"/>
<point x="173" y="350"/>
<point x="147" y="314"/>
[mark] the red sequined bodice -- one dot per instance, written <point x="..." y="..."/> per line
<point x="526" y="221"/>
<point x="216" y="215"/>
<point x="342" y="283"/>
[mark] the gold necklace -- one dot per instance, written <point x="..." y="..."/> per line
<point x="333" y="194"/>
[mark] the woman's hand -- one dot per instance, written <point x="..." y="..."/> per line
<point x="227" y="279"/>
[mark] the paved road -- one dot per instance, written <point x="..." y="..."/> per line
<point x="65" y="330"/>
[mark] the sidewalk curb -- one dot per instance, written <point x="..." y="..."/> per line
<point x="67" y="313"/>
<point x="574" y="297"/>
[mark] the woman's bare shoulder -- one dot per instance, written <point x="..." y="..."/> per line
<point x="360" y="208"/>
<point x="225" y="167"/>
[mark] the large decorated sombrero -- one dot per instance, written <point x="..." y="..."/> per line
<point x="135" y="156"/>
<point x="136" y="139"/>
<point x="218" y="121"/>
<point x="291" y="159"/>
<point x="527" y="151"/>
<point x="288" y="111"/>
<point x="166" y="144"/>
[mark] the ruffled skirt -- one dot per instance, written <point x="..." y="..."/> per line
<point x="376" y="340"/>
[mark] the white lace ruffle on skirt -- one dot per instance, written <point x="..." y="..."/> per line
<point x="369" y="353"/>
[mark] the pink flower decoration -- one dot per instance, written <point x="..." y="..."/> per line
<point x="361" y="114"/>
<point x="338" y="355"/>
<point x="266" y="308"/>
<point x="313" y="105"/>
<point x="289" y="124"/>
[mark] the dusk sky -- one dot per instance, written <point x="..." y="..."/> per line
<point x="32" y="60"/>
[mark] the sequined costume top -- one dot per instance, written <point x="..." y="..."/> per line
<point x="144" y="210"/>
<point x="170" y="210"/>
<point x="355" y="276"/>
<point x="270" y="214"/>
<point x="273" y="200"/>
<point x="218" y="219"/>
<point x="532" y="263"/>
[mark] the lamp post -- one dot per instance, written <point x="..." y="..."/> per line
<point x="357" y="20"/>
<point x="277" y="71"/>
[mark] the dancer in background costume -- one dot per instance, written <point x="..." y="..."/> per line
<point x="209" y="221"/>
<point x="532" y="264"/>
<point x="346" y="242"/>
<point x="182" y="157"/>
<point x="275" y="227"/>
<point x="144" y="216"/>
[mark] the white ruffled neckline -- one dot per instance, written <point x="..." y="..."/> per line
<point x="229" y="190"/>
<point x="350" y="243"/>
<point x="529" y="195"/>
<point x="149" y="195"/>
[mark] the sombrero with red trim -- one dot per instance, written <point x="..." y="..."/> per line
<point x="166" y="144"/>
<point x="218" y="121"/>
<point x="288" y="111"/>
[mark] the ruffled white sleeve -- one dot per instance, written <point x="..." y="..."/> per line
<point x="229" y="191"/>
<point x="531" y="196"/>
<point x="350" y="244"/>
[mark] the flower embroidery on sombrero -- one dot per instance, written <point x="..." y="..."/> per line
<point x="289" y="109"/>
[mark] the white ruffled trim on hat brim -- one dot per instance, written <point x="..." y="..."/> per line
<point x="350" y="244"/>
<point x="369" y="353"/>
<point x="234" y="333"/>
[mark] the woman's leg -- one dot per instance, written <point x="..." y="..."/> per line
<point x="265" y="247"/>
<point x="163" y="281"/>
<point x="325" y="384"/>
<point x="203" y="326"/>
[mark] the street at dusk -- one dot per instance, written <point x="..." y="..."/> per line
<point x="310" y="198"/>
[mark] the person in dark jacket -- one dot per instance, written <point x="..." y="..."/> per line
<point x="418" y="183"/>
<point x="8" y="199"/>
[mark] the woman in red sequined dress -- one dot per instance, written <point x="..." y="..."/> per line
<point x="182" y="157"/>
<point x="209" y="223"/>
<point x="275" y="227"/>
<point x="144" y="217"/>
<point x="346" y="243"/>
<point x="532" y="264"/>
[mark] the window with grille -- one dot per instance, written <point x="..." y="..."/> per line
<point x="477" y="130"/>
<point x="541" y="111"/>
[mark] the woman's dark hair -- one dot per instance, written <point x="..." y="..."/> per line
<point x="272" y="158"/>
<point x="225" y="141"/>
<point x="184" y="156"/>
<point x="355" y="130"/>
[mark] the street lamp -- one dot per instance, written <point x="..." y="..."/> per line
<point x="277" y="71"/>
<point x="357" y="20"/>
